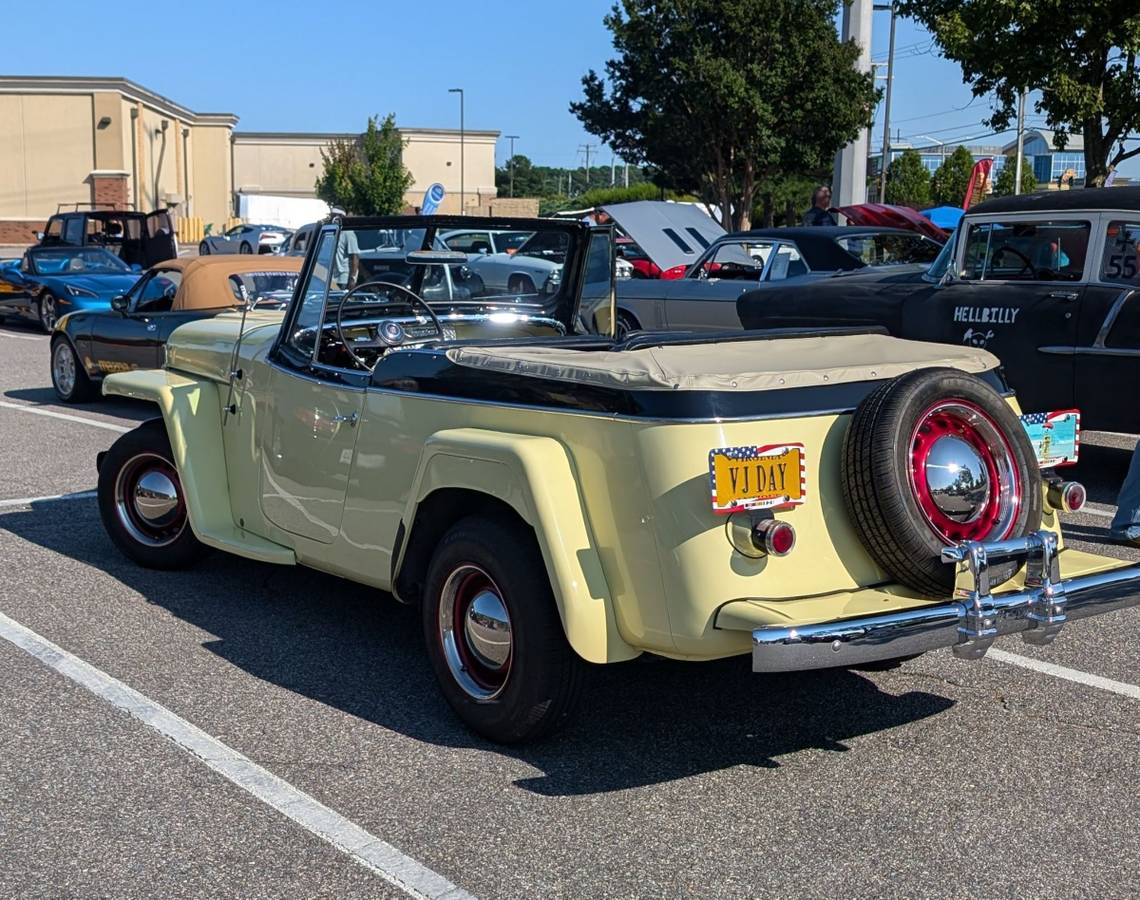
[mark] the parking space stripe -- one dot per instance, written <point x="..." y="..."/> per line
<point x="67" y="417"/>
<point x="364" y="848"/>
<point x="49" y="498"/>
<point x="1047" y="668"/>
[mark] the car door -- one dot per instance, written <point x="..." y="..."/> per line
<point x="133" y="339"/>
<point x="308" y="427"/>
<point x="705" y="299"/>
<point x="159" y="243"/>
<point x="1107" y="351"/>
<point x="1018" y="290"/>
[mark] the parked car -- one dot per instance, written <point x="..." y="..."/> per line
<point x="1047" y="282"/>
<point x="534" y="269"/>
<point x="705" y="298"/>
<point x="51" y="281"/>
<point x="142" y="239"/>
<point x="467" y="240"/>
<point x="244" y="239"/>
<point x="88" y="345"/>
<point x="297" y="243"/>
<point x="550" y="498"/>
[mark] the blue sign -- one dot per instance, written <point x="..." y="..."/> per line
<point x="433" y="197"/>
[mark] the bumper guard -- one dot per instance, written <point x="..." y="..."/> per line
<point x="969" y="623"/>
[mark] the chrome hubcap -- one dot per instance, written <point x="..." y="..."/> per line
<point x="63" y="368"/>
<point x="475" y="632"/>
<point x="47" y="312"/>
<point x="957" y="479"/>
<point x="148" y="501"/>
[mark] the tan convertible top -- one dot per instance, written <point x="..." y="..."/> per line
<point x="205" y="279"/>
<point x="760" y="365"/>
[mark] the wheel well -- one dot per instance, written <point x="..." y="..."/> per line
<point x="434" y="516"/>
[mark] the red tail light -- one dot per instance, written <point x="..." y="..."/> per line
<point x="1067" y="496"/>
<point x="774" y="538"/>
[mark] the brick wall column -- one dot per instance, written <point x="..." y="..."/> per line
<point x="109" y="189"/>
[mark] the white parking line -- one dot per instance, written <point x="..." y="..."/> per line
<point x="1105" y="684"/>
<point x="49" y="498"/>
<point x="67" y="417"/>
<point x="374" y="854"/>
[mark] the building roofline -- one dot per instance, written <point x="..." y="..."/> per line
<point x="75" y="84"/>
<point x="240" y="136"/>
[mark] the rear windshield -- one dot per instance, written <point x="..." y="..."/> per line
<point x="890" y="249"/>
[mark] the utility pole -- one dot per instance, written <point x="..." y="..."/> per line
<point x="626" y="173"/>
<point x="462" y="187"/>
<point x="887" y="108"/>
<point x="586" y="148"/>
<point x="511" y="164"/>
<point x="1020" y="141"/>
<point x="613" y="168"/>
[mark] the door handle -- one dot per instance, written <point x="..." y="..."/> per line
<point x="350" y="419"/>
<point x="1062" y="295"/>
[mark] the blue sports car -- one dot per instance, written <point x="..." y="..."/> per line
<point x="50" y="282"/>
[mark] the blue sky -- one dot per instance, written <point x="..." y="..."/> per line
<point x="308" y="66"/>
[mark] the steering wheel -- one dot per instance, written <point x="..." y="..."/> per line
<point x="389" y="333"/>
<point x="1025" y="259"/>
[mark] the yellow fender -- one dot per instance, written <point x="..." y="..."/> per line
<point x="192" y="411"/>
<point x="535" y="477"/>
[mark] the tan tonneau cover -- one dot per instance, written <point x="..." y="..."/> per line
<point x="760" y="365"/>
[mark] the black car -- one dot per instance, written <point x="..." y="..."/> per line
<point x="138" y="239"/>
<point x="1050" y="283"/>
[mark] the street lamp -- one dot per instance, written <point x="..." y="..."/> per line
<point x="511" y="163"/>
<point x="941" y="145"/>
<point x="462" y="189"/>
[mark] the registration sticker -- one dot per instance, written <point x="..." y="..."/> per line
<point x="1055" y="436"/>
<point x="757" y="477"/>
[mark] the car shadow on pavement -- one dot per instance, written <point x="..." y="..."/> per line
<point x="122" y="407"/>
<point x="357" y="650"/>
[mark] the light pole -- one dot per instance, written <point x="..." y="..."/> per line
<point x="887" y="106"/>
<point x="462" y="188"/>
<point x="511" y="163"/>
<point x="1020" y="141"/>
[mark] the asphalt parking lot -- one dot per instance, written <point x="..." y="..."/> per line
<point x="940" y="778"/>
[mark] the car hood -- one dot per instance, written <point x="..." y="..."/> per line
<point x="893" y="216"/>
<point x="649" y="223"/>
<point x="106" y="286"/>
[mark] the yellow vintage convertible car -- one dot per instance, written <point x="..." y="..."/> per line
<point x="554" y="499"/>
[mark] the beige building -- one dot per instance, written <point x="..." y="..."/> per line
<point x="111" y="142"/>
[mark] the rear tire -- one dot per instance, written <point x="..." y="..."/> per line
<point x="203" y="249"/>
<point x="520" y="284"/>
<point x="141" y="500"/>
<point x="67" y="374"/>
<point x="508" y="682"/>
<point x="626" y="323"/>
<point x="46" y="313"/>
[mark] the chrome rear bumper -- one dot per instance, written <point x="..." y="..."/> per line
<point x="969" y="623"/>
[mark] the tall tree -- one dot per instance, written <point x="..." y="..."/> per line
<point x="1081" y="56"/>
<point x="719" y="95"/>
<point x="366" y="177"/>
<point x="908" y="181"/>
<point x="1003" y="184"/>
<point x="950" y="180"/>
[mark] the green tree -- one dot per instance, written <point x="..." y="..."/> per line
<point x="1081" y="56"/>
<point x="366" y="176"/>
<point x="908" y="181"/>
<point x="1003" y="184"/>
<point x="719" y="95"/>
<point x="949" y="182"/>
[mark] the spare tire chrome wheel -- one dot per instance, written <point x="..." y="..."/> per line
<point x="933" y="458"/>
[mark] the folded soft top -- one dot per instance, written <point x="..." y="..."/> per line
<point x="760" y="365"/>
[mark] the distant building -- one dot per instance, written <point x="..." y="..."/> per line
<point x="109" y="141"/>
<point x="1049" y="163"/>
<point x="933" y="156"/>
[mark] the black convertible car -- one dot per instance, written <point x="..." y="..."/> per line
<point x="1049" y="283"/>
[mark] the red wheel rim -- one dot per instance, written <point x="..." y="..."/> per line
<point x="960" y="428"/>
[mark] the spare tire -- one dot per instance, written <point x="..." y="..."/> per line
<point x="932" y="458"/>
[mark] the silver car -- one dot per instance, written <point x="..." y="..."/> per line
<point x="245" y="239"/>
<point x="535" y="268"/>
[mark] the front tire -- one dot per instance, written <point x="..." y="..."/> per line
<point x="493" y="633"/>
<point x="626" y="324"/>
<point x="141" y="500"/>
<point x="67" y="374"/>
<point x="203" y="249"/>
<point x="245" y="248"/>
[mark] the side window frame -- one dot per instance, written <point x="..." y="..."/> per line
<point x="284" y="353"/>
<point x="1092" y="220"/>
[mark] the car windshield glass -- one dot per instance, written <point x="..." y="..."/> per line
<point x="262" y="289"/>
<point x="1026" y="251"/>
<point x="942" y="261"/>
<point x="889" y="249"/>
<point x="77" y="260"/>
<point x="546" y="245"/>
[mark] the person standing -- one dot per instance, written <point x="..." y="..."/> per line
<point x="1125" y="525"/>
<point x="820" y="214"/>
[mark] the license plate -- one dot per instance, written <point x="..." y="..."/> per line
<point x="756" y="477"/>
<point x="1055" y="436"/>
